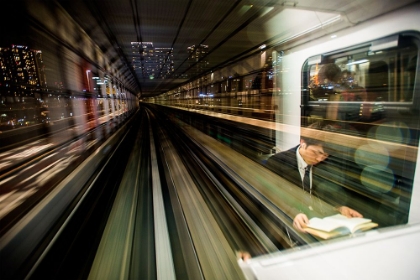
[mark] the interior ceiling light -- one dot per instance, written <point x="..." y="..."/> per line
<point x="358" y="62"/>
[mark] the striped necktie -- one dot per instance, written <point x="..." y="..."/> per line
<point x="306" y="179"/>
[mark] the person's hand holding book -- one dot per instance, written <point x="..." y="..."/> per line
<point x="348" y="212"/>
<point x="300" y="222"/>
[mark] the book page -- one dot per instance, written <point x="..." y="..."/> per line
<point x="351" y="223"/>
<point x="323" y="224"/>
<point x="337" y="225"/>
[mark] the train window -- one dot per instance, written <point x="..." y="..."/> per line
<point x="360" y="84"/>
<point x="368" y="97"/>
<point x="372" y="83"/>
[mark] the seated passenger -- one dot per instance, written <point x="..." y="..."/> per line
<point x="299" y="166"/>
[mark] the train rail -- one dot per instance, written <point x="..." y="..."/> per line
<point x="190" y="218"/>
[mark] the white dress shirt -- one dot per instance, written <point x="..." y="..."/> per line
<point x="302" y="166"/>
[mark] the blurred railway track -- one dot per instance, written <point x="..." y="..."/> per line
<point x="208" y="214"/>
<point x="163" y="205"/>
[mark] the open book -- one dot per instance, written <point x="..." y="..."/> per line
<point x="337" y="225"/>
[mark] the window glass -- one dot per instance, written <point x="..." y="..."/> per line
<point x="361" y="84"/>
<point x="365" y="99"/>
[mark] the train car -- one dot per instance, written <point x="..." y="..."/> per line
<point x="361" y="81"/>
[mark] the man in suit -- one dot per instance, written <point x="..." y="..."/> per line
<point x="299" y="165"/>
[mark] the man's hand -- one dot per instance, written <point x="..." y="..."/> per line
<point x="243" y="255"/>
<point x="300" y="222"/>
<point x="348" y="212"/>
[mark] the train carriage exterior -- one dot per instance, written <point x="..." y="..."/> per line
<point x="362" y="80"/>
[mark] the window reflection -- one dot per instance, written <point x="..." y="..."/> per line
<point x="369" y="94"/>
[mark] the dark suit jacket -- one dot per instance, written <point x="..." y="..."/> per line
<point x="331" y="191"/>
<point x="285" y="164"/>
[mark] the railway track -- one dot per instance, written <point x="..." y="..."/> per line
<point x="202" y="214"/>
<point x="168" y="204"/>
